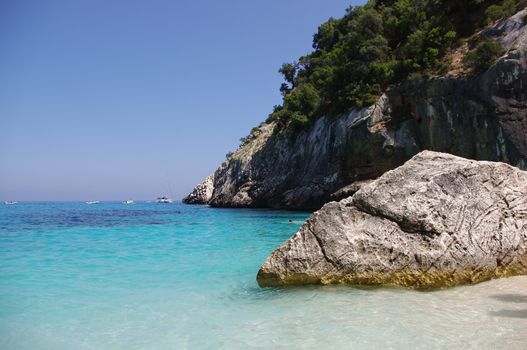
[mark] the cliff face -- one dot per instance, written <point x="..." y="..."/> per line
<point x="481" y="117"/>
<point x="202" y="192"/>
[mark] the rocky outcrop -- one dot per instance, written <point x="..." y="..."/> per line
<point x="480" y="117"/>
<point x="437" y="221"/>
<point x="201" y="193"/>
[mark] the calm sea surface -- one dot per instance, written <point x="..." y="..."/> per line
<point x="171" y="276"/>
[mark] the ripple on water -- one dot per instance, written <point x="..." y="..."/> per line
<point x="173" y="277"/>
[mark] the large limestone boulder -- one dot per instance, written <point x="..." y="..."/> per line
<point x="436" y="221"/>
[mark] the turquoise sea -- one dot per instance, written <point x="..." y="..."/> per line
<point x="171" y="276"/>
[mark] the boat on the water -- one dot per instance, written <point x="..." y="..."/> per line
<point x="164" y="200"/>
<point x="10" y="202"/>
<point x="128" y="201"/>
<point x="92" y="202"/>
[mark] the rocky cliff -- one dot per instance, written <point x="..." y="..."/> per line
<point x="437" y="221"/>
<point x="480" y="117"/>
<point x="202" y="192"/>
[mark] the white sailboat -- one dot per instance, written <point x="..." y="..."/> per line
<point x="164" y="200"/>
<point x="128" y="201"/>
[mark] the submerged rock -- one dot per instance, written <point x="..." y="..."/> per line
<point x="437" y="221"/>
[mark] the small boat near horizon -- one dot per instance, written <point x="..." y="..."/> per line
<point x="164" y="200"/>
<point x="10" y="202"/>
<point x="92" y="202"/>
<point x="128" y="201"/>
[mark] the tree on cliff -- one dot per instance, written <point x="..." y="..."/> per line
<point x="356" y="57"/>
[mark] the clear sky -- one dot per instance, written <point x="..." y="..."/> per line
<point x="116" y="99"/>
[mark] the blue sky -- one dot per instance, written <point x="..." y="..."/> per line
<point x="123" y="99"/>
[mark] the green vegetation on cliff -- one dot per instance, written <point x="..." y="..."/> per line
<point x="505" y="8"/>
<point x="483" y="55"/>
<point x="384" y="42"/>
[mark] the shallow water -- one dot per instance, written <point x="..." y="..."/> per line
<point x="154" y="276"/>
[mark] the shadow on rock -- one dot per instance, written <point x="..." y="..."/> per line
<point x="511" y="298"/>
<point x="510" y="313"/>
